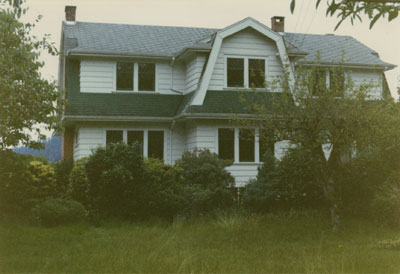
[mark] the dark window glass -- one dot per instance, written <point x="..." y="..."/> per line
<point x="114" y="136"/>
<point x="124" y="76"/>
<point x="266" y="144"/>
<point x="156" y="144"/>
<point x="136" y="136"/>
<point x="246" y="145"/>
<point x="256" y="73"/>
<point x="235" y="70"/>
<point x="147" y="77"/>
<point x="318" y="82"/>
<point x="226" y="143"/>
<point x="336" y="82"/>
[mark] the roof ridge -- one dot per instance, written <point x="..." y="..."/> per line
<point x="158" y="26"/>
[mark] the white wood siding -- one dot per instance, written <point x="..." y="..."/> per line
<point x="243" y="173"/>
<point x="170" y="77"/>
<point x="178" y="144"/>
<point x="367" y="77"/>
<point x="97" y="76"/>
<point x="247" y="42"/>
<point x="88" y="139"/>
<point x="193" y="72"/>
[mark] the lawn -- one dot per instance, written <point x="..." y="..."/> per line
<point x="226" y="244"/>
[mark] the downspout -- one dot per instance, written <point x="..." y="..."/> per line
<point x="170" y="140"/>
<point x="172" y="68"/>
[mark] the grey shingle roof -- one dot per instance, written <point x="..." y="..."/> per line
<point x="123" y="39"/>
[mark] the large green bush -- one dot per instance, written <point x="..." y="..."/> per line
<point x="207" y="182"/>
<point x="78" y="186"/>
<point x="58" y="211"/>
<point x="283" y="184"/>
<point x="116" y="177"/>
<point x="62" y="171"/>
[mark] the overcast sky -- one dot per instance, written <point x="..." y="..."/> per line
<point x="384" y="37"/>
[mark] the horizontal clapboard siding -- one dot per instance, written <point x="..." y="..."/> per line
<point x="88" y="139"/>
<point x="373" y="78"/>
<point x="246" y="43"/>
<point x="97" y="76"/>
<point x="193" y="72"/>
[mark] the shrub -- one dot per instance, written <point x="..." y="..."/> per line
<point x="43" y="185"/>
<point x="59" y="211"/>
<point x="62" y="171"/>
<point x="78" y="186"/>
<point x="164" y="189"/>
<point x="15" y="180"/>
<point x="386" y="201"/>
<point x="283" y="184"/>
<point x="116" y="179"/>
<point x="207" y="182"/>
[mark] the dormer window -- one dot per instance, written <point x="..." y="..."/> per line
<point x="135" y="76"/>
<point x="246" y="72"/>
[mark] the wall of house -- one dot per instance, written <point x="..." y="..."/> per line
<point x="194" y="68"/>
<point x="98" y="76"/>
<point x="247" y="42"/>
<point x="368" y="77"/>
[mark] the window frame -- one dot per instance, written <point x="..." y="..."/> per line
<point x="246" y="70"/>
<point x="136" y="78"/>
<point x="236" y="161"/>
<point x="145" y="138"/>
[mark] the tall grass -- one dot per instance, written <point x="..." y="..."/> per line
<point x="227" y="243"/>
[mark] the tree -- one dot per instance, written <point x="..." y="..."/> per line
<point x="353" y="9"/>
<point x="26" y="99"/>
<point x="339" y="117"/>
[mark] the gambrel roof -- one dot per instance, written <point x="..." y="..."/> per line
<point x="84" y="38"/>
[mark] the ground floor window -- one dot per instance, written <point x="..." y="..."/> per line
<point x="151" y="141"/>
<point x="242" y="145"/>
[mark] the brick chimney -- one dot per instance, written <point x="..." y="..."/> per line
<point x="70" y="13"/>
<point x="278" y="23"/>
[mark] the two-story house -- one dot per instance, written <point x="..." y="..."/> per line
<point x="177" y="88"/>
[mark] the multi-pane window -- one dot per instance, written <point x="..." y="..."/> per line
<point x="226" y="143"/>
<point x="147" y="76"/>
<point x="135" y="76"/>
<point x="245" y="72"/>
<point x="156" y="144"/>
<point x="256" y="73"/>
<point x="114" y="136"/>
<point x="124" y="76"/>
<point x="136" y="136"/>
<point x="336" y="82"/>
<point x="235" y="71"/>
<point x="246" y="145"/>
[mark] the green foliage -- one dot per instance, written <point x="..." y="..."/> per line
<point x="26" y="99"/>
<point x="15" y="180"/>
<point x="43" y="185"/>
<point x="286" y="184"/>
<point x="62" y="172"/>
<point x="164" y="188"/>
<point x="78" y="185"/>
<point x="386" y="201"/>
<point x="116" y="177"/>
<point x="353" y="10"/>
<point x="207" y="183"/>
<point x="59" y="211"/>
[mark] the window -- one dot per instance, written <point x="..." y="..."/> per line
<point x="318" y="82"/>
<point x="336" y="81"/>
<point x="156" y="144"/>
<point x="256" y="73"/>
<point x="114" y="136"/>
<point x="135" y="76"/>
<point x="147" y="77"/>
<point x="246" y="145"/>
<point x="235" y="71"/>
<point x="136" y="136"/>
<point x="245" y="72"/>
<point x="124" y="76"/>
<point x="226" y="143"/>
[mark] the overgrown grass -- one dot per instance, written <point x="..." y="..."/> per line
<point x="236" y="243"/>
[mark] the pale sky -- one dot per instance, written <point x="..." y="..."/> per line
<point x="383" y="38"/>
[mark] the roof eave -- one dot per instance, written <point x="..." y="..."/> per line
<point x="68" y="119"/>
<point x="350" y="65"/>
<point x="81" y="53"/>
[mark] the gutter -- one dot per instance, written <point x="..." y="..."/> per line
<point x="83" y="118"/>
<point x="349" y="65"/>
<point x="115" y="55"/>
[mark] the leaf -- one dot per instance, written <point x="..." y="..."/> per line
<point x="374" y="20"/>
<point x="292" y="5"/>
<point x="393" y="14"/>
<point x="317" y="4"/>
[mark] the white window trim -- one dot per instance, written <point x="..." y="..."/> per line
<point x="236" y="145"/>
<point x="245" y="68"/>
<point x="145" y="138"/>
<point x="136" y="79"/>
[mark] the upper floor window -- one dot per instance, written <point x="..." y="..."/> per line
<point x="135" y="76"/>
<point x="336" y="82"/>
<point x="331" y="80"/>
<point x="245" y="72"/>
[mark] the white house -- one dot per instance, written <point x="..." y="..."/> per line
<point x="177" y="88"/>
